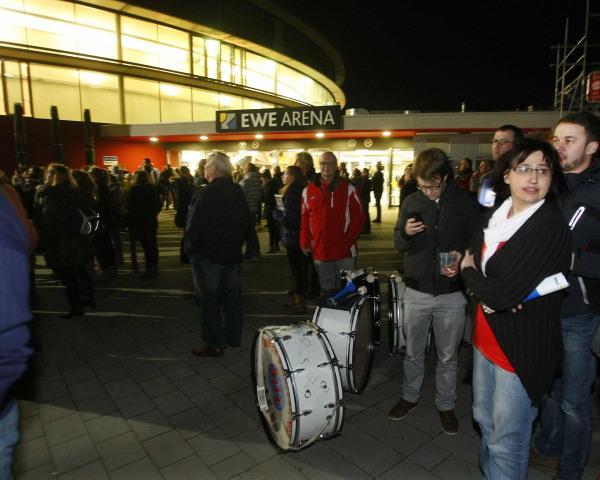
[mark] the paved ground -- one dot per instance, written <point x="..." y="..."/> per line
<point x="118" y="395"/>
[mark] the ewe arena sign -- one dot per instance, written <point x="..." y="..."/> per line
<point x="277" y="119"/>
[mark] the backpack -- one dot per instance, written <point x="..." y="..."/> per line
<point x="83" y="220"/>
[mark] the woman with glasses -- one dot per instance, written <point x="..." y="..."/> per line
<point x="518" y="343"/>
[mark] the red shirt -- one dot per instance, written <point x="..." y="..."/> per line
<point x="484" y="338"/>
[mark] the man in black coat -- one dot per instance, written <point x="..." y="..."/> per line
<point x="437" y="219"/>
<point x="377" y="186"/>
<point x="566" y="432"/>
<point x="218" y="223"/>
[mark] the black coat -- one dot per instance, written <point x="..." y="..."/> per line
<point x="143" y="205"/>
<point x="531" y="337"/>
<point x="218" y="222"/>
<point x="450" y="225"/>
<point x="62" y="248"/>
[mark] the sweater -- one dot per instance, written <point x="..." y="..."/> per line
<point x="531" y="337"/>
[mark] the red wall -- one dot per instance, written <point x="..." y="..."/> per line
<point x="39" y="146"/>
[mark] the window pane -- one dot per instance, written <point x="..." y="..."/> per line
<point x="230" y="102"/>
<point x="199" y="57"/>
<point x="205" y="105"/>
<point x="212" y="58"/>
<point x="150" y="44"/>
<point x="260" y="72"/>
<point x="100" y="94"/>
<point x="55" y="86"/>
<point x="175" y="103"/>
<point x="226" y="71"/>
<point x="141" y="101"/>
<point x="96" y="32"/>
<point x="13" y="84"/>
<point x="12" y="22"/>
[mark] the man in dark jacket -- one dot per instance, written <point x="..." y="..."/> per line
<point x="439" y="219"/>
<point x="566" y="432"/>
<point x="377" y="185"/>
<point x="217" y="225"/>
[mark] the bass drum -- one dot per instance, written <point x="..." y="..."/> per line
<point x="298" y="385"/>
<point x="350" y="328"/>
<point x="396" y="338"/>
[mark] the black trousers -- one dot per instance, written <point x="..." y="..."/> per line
<point x="378" y="207"/>
<point x="146" y="235"/>
<point x="299" y="267"/>
<point x="79" y="285"/>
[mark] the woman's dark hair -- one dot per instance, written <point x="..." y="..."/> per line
<point x="296" y="173"/>
<point x="518" y="154"/>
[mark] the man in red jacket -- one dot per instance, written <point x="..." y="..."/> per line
<point x="332" y="219"/>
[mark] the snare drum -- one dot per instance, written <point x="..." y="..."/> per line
<point x="298" y="385"/>
<point x="350" y="328"/>
<point x="396" y="338"/>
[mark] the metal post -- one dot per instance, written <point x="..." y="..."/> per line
<point x="58" y="154"/>
<point x="564" y="63"/>
<point x="20" y="141"/>
<point x="583" y="63"/>
<point x="88" y="132"/>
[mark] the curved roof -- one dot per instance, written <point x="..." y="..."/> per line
<point x="258" y="25"/>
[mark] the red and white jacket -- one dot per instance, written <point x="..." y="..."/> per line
<point x="332" y="219"/>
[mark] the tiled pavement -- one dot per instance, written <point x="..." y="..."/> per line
<point x="118" y="395"/>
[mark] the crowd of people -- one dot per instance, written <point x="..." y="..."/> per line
<point x="532" y="358"/>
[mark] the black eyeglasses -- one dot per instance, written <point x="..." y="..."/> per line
<point x="430" y="188"/>
<point x="501" y="141"/>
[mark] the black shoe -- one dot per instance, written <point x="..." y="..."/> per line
<point x="401" y="409"/>
<point x="449" y="422"/>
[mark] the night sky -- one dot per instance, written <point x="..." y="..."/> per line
<point x="430" y="55"/>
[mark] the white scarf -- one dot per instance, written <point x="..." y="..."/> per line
<point x="501" y="228"/>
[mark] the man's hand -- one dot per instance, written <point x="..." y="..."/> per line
<point x="452" y="269"/>
<point x="412" y="227"/>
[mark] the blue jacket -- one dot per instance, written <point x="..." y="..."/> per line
<point x="14" y="302"/>
<point x="289" y="217"/>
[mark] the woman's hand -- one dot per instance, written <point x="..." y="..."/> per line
<point x="468" y="261"/>
<point x="451" y="270"/>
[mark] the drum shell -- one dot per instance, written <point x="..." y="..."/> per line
<point x="312" y="383"/>
<point x="343" y="330"/>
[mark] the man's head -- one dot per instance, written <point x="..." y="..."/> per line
<point x="379" y="167"/>
<point x="305" y="161"/>
<point x="328" y="163"/>
<point x="465" y="165"/>
<point x="217" y="165"/>
<point x="504" y="139"/>
<point x="431" y="169"/>
<point x="577" y="140"/>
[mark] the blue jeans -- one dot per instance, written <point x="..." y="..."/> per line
<point x="9" y="437"/>
<point x="567" y="413"/>
<point x="219" y="290"/>
<point x="505" y="416"/>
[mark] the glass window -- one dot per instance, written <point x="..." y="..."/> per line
<point x="12" y="77"/>
<point x="226" y="60"/>
<point x="55" y="86"/>
<point x="96" y="32"/>
<point x="141" y="101"/>
<point x="230" y="102"/>
<point x="212" y="58"/>
<point x="205" y="105"/>
<point x="175" y="103"/>
<point x="199" y="57"/>
<point x="100" y="94"/>
<point x="260" y="72"/>
<point x="237" y="66"/>
<point x="147" y="43"/>
<point x="12" y="22"/>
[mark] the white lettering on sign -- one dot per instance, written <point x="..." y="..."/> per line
<point x="245" y="120"/>
<point x="272" y="119"/>
<point x="296" y="119"/>
<point x="286" y="121"/>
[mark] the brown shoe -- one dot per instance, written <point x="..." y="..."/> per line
<point x="449" y="422"/>
<point x="207" y="352"/>
<point x="401" y="409"/>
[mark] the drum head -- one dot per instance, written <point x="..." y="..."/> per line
<point x="278" y="416"/>
<point x="363" y="346"/>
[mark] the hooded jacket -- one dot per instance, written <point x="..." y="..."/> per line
<point x="331" y="220"/>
